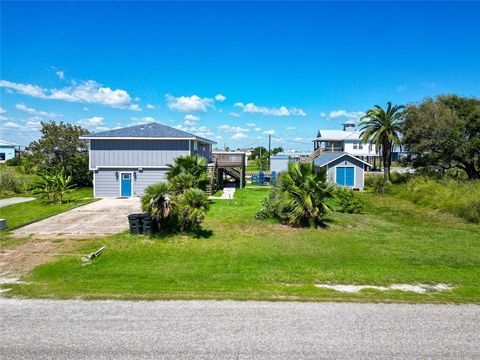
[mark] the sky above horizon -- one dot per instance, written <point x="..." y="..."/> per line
<point x="230" y="72"/>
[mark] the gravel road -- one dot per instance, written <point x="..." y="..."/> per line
<point x="37" y="329"/>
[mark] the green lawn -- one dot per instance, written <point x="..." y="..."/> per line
<point x="242" y="258"/>
<point x="27" y="212"/>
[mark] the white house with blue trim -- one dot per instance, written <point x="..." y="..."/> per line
<point x="125" y="161"/>
<point x="7" y="150"/>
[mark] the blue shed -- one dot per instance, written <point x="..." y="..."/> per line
<point x="343" y="169"/>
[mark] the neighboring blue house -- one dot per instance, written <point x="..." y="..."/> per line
<point x="343" y="169"/>
<point x="7" y="150"/>
<point x="125" y="161"/>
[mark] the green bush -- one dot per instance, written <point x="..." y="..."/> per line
<point x="377" y="183"/>
<point x="298" y="197"/>
<point x="10" y="182"/>
<point x="350" y="202"/>
<point x="53" y="187"/>
<point x="461" y="198"/>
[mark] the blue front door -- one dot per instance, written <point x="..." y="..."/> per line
<point x="126" y="184"/>
<point x="345" y="176"/>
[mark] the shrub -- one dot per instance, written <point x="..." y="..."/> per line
<point x="179" y="204"/>
<point x="53" y="187"/>
<point x="350" y="201"/>
<point x="460" y="198"/>
<point x="10" y="182"/>
<point x="298" y="197"/>
<point x="377" y="183"/>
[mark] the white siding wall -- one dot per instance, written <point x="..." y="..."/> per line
<point x="368" y="150"/>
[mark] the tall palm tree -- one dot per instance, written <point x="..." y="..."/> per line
<point x="302" y="193"/>
<point x="382" y="127"/>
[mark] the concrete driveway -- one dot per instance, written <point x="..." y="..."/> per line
<point x="14" y="200"/>
<point x="44" y="329"/>
<point x="104" y="217"/>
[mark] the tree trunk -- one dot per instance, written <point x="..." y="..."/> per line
<point x="387" y="159"/>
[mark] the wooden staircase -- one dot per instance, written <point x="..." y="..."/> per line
<point x="312" y="156"/>
<point x="233" y="173"/>
<point x="211" y="175"/>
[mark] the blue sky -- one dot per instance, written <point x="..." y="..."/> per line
<point x="228" y="71"/>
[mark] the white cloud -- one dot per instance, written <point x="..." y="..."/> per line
<point x="218" y="137"/>
<point x="60" y="74"/>
<point x="251" y="124"/>
<point x="234" y="114"/>
<point x="86" y="109"/>
<point x="102" y="128"/>
<point x="290" y="128"/>
<point x="3" y="118"/>
<point x="12" y="125"/>
<point x="34" y="112"/>
<point x="142" y="120"/>
<point x="2" y="110"/>
<point x="298" y="139"/>
<point x="239" y="136"/>
<point x="322" y="114"/>
<point x="191" y="117"/>
<point x="192" y="103"/>
<point x="257" y="129"/>
<point x="345" y="114"/>
<point x="150" y="106"/>
<point x="269" y="132"/>
<point x="93" y="121"/>
<point x="281" y="111"/>
<point x="89" y="92"/>
<point x="35" y="125"/>
<point x="235" y="129"/>
<point x="220" y="97"/>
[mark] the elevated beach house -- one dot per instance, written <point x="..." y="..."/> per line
<point x="125" y="161"/>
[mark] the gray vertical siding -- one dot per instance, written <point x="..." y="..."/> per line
<point x="359" y="172"/>
<point x="279" y="164"/>
<point x="107" y="184"/>
<point x="136" y="153"/>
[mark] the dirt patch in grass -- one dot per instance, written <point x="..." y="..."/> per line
<point x="23" y="258"/>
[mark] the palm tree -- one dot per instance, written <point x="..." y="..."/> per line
<point x="382" y="127"/>
<point x="193" y="206"/>
<point x="158" y="204"/>
<point x="188" y="167"/>
<point x="302" y="194"/>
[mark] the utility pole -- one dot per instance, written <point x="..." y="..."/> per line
<point x="269" y="149"/>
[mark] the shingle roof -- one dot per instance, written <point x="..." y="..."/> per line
<point x="328" y="157"/>
<point x="150" y="130"/>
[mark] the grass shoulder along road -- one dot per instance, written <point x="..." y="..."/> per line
<point x="239" y="257"/>
<point x="27" y="212"/>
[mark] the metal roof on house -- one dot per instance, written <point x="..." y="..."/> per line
<point x="152" y="130"/>
<point x="6" y="143"/>
<point x="337" y="135"/>
<point x="327" y="157"/>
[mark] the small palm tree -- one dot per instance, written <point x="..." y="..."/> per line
<point x="382" y="127"/>
<point x="193" y="165"/>
<point x="157" y="202"/>
<point x="193" y="206"/>
<point x="302" y="194"/>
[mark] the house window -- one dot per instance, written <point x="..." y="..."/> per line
<point x="355" y="146"/>
<point x="2" y="156"/>
<point x="195" y="146"/>
<point x="360" y="146"/>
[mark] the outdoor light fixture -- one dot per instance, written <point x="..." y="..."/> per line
<point x="135" y="175"/>
<point x="116" y="175"/>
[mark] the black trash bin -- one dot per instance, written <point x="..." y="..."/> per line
<point x="135" y="222"/>
<point x="146" y="224"/>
